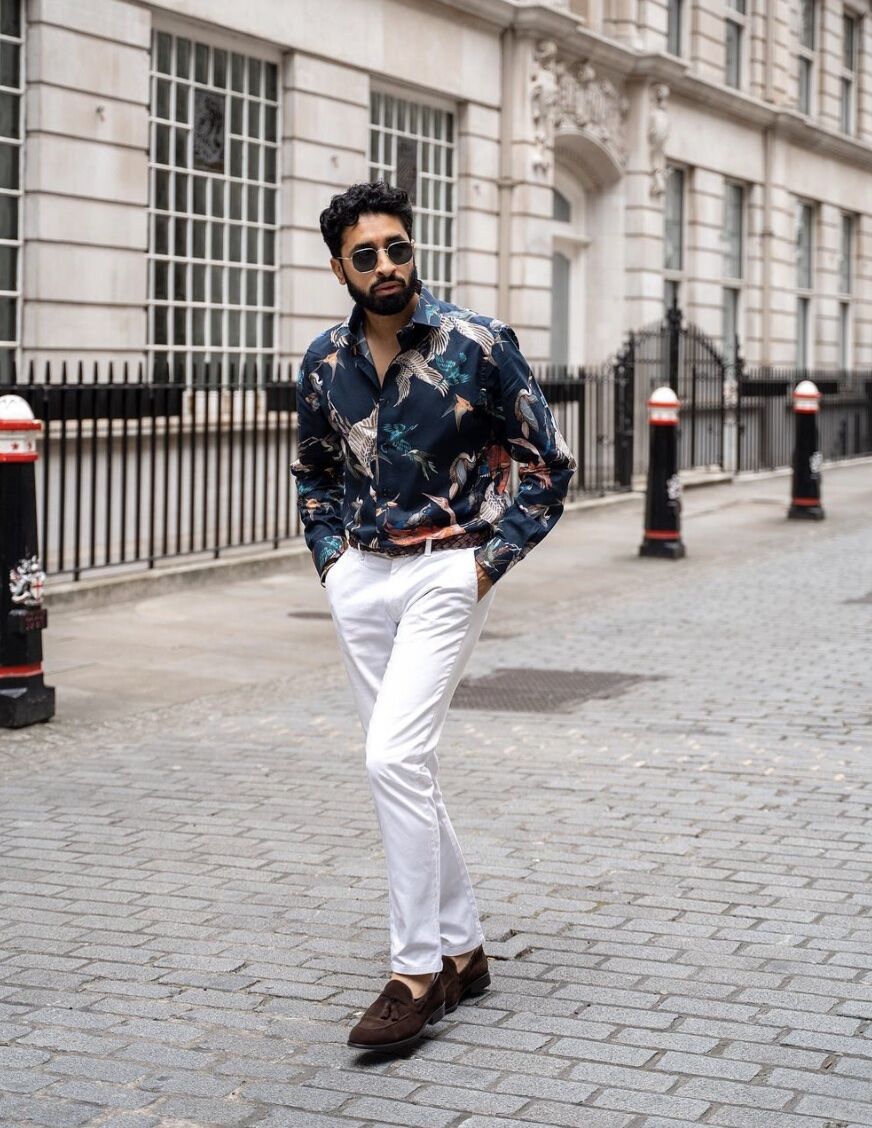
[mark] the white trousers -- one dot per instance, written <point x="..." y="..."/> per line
<point x="406" y="627"/>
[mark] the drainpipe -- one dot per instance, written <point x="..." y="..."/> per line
<point x="768" y="147"/>
<point x="505" y="182"/>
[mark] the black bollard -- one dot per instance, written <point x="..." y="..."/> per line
<point x="805" y="503"/>
<point x="663" y="498"/>
<point x="24" y="698"/>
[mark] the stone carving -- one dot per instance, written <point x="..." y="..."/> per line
<point x="658" y="132"/>
<point x="543" y="102"/>
<point x="571" y="97"/>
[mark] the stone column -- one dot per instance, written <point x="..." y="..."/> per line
<point x="324" y="149"/>
<point x="478" y="170"/>
<point x="85" y="234"/>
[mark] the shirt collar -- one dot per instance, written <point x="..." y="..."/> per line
<point x="426" y="316"/>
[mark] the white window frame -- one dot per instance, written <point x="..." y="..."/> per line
<point x="807" y="57"/>
<point x="432" y="124"/>
<point x="736" y="15"/>
<point x="849" y="73"/>
<point x="732" y="281"/>
<point x="12" y="347"/>
<point x="226" y="319"/>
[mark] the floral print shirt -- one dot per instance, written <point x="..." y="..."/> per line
<point x="427" y="454"/>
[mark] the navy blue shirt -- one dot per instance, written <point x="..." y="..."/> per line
<point x="428" y="452"/>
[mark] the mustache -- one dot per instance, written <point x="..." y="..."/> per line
<point x="388" y="282"/>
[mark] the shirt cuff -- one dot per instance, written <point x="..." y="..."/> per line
<point x="496" y="556"/>
<point x="326" y="554"/>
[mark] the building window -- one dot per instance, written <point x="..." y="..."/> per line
<point x="11" y="108"/>
<point x="561" y="208"/>
<point x="846" y="254"/>
<point x="846" y="285"/>
<point x="412" y="147"/>
<point x="730" y="325"/>
<point x="673" y="220"/>
<point x="734" y="203"/>
<point x="804" y="281"/>
<point x="734" y="34"/>
<point x="733" y="237"/>
<point x="213" y="177"/>
<point x="802" y="322"/>
<point x="804" y="233"/>
<point x="808" y="16"/>
<point x="844" y="335"/>
<point x="848" y="106"/>
<point x="673" y="27"/>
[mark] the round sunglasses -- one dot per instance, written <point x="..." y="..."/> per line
<point x="365" y="259"/>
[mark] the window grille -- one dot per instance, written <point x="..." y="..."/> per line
<point x="412" y="147"/>
<point x="213" y="176"/>
<point x="11" y="114"/>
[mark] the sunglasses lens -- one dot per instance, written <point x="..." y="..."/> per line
<point x="400" y="253"/>
<point x="364" y="260"/>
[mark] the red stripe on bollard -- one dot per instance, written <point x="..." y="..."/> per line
<point x="21" y="671"/>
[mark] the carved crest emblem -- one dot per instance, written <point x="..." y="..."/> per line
<point x="27" y="582"/>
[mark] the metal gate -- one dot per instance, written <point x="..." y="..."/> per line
<point x="682" y="356"/>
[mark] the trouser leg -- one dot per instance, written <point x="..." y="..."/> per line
<point x="406" y="632"/>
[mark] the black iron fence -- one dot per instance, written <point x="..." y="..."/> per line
<point x="135" y="469"/>
<point x="765" y="422"/>
<point x="674" y="353"/>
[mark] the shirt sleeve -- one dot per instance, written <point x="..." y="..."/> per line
<point x="525" y="426"/>
<point x="319" y="472"/>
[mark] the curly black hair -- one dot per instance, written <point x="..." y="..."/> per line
<point x="346" y="208"/>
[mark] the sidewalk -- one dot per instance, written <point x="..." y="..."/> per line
<point x="672" y="863"/>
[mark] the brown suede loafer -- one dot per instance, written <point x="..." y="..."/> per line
<point x="473" y="980"/>
<point x="396" y="1019"/>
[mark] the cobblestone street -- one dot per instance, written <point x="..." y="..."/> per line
<point x="674" y="879"/>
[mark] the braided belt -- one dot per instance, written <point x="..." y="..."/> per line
<point x="463" y="540"/>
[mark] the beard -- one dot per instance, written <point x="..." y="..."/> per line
<point x="389" y="303"/>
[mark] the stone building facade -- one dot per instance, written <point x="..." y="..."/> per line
<point x="576" y="166"/>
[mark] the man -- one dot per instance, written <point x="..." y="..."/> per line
<point x="408" y="414"/>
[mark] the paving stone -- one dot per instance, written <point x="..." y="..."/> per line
<point x="674" y="885"/>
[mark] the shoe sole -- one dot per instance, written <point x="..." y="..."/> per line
<point x="477" y="987"/>
<point x="390" y="1047"/>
